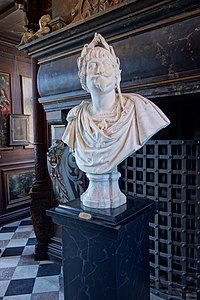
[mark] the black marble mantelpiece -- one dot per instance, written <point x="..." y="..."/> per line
<point x="105" y="256"/>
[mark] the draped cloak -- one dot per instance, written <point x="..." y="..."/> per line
<point x="100" y="142"/>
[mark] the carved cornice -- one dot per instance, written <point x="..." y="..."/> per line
<point x="126" y="34"/>
<point x="87" y="8"/>
<point x="126" y="19"/>
<point x="8" y="39"/>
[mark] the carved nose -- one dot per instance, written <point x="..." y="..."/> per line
<point x="99" y="68"/>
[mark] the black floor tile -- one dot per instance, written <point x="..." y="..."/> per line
<point x="8" y="229"/>
<point x="12" y="251"/>
<point x="26" y="222"/>
<point x="20" y="287"/>
<point x="31" y="241"/>
<point x="48" y="270"/>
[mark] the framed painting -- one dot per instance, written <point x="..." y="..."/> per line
<point x="5" y="109"/>
<point x="27" y="104"/>
<point x="17" y="185"/>
<point x="19" y="130"/>
<point x="57" y="132"/>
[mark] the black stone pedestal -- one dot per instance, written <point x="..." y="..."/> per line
<point x="105" y="251"/>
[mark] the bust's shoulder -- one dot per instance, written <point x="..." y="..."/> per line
<point x="133" y="96"/>
<point x="72" y="114"/>
<point x="136" y="100"/>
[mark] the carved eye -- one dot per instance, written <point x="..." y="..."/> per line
<point x="92" y="66"/>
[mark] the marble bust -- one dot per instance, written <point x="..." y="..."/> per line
<point x="103" y="132"/>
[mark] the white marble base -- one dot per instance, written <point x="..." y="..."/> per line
<point x="103" y="191"/>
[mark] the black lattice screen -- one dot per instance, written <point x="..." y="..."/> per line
<point x="168" y="172"/>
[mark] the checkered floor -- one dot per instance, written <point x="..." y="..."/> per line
<point x="22" y="278"/>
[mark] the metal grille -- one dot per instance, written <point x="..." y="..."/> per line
<point x="168" y="172"/>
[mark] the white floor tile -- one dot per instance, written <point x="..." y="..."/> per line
<point x="17" y="243"/>
<point x="44" y="262"/>
<point x="25" y="272"/>
<point x="46" y="284"/>
<point x="3" y="287"/>
<point x="18" y="297"/>
<point x="153" y="297"/>
<point x="61" y="296"/>
<point x="27" y="219"/>
<point x="3" y="244"/>
<point x="24" y="228"/>
<point x="9" y="262"/>
<point x="32" y="235"/>
<point x="29" y="250"/>
<point x="6" y="236"/>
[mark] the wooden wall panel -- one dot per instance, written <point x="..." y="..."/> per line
<point x="14" y="161"/>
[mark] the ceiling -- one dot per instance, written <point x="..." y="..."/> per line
<point x="12" y="20"/>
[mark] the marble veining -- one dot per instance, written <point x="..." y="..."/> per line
<point x="103" y="259"/>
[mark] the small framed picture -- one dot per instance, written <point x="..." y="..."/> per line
<point x="27" y="105"/>
<point x="17" y="185"/>
<point x="19" y="130"/>
<point x="57" y="132"/>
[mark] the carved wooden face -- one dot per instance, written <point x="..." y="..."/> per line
<point x="100" y="71"/>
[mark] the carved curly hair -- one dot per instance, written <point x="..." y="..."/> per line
<point x="89" y="51"/>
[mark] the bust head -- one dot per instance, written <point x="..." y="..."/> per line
<point x="98" y="54"/>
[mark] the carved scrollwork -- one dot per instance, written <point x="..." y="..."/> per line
<point x="86" y="8"/>
<point x="68" y="180"/>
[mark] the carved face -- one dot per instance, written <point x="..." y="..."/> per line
<point x="100" y="71"/>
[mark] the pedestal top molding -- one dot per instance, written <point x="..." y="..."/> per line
<point x="118" y="22"/>
<point x="134" y="207"/>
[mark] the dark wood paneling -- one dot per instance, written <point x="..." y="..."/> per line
<point x="15" y="155"/>
<point x="14" y="160"/>
<point x="14" y="215"/>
